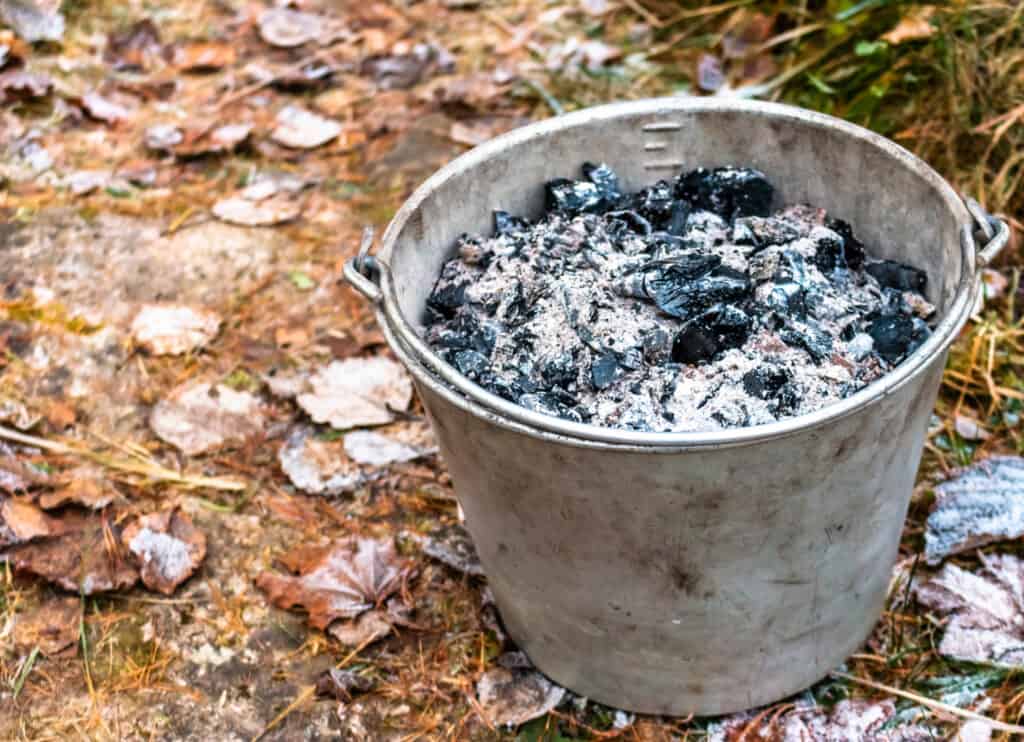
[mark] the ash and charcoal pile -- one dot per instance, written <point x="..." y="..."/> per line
<point x="686" y="306"/>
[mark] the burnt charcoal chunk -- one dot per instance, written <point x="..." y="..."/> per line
<point x="894" y="275"/>
<point x="730" y="192"/>
<point x="604" y="371"/>
<point x="787" y="400"/>
<point x="817" y="343"/>
<point x="853" y="249"/>
<point x="764" y="382"/>
<point x="678" y="218"/>
<point x="896" y="336"/>
<point x="631" y="221"/>
<point x="829" y="253"/>
<point x="572" y="196"/>
<point x="471" y="364"/>
<point x="655" y="203"/>
<point x="657" y="346"/>
<point x="788" y="297"/>
<point x="716" y="330"/>
<point x="550" y="404"/>
<point x="678" y="296"/>
<point x="446" y="299"/>
<point x="764" y="232"/>
<point x="505" y="223"/>
<point x="605" y="179"/>
<point x="560" y="371"/>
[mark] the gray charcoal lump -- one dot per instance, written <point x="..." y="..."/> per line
<point x="689" y="305"/>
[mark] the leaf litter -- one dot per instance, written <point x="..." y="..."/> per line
<point x="353" y="589"/>
<point x="980" y="505"/>
<point x="198" y="417"/>
<point x="357" y="392"/>
<point x="167" y="547"/>
<point x="511" y="697"/>
<point x="169" y="329"/>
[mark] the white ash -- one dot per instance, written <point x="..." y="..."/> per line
<point x="559" y="297"/>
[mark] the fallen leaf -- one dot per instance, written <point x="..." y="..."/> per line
<point x="204" y="140"/>
<point x="751" y="30"/>
<point x="710" y="76"/>
<point x="366" y="629"/>
<point x="286" y="28"/>
<point x="173" y="329"/>
<point x="163" y="137"/>
<point x="913" y="27"/>
<point x="199" y="417"/>
<point x="59" y="414"/>
<point x="851" y="719"/>
<point x="985" y="610"/>
<point x="514" y="697"/>
<point x="320" y="467"/>
<point x="452" y="545"/>
<point x="21" y="522"/>
<point x="301" y="129"/>
<point x="983" y="504"/>
<point x="53" y="626"/>
<point x="16" y="475"/>
<point x="259" y="213"/>
<point x="84" y="182"/>
<point x="167" y="547"/>
<point x="341" y="581"/>
<point x="374" y="449"/>
<point x="135" y="48"/>
<point x="994" y="282"/>
<point x="85" y="485"/>
<point x="32" y="22"/>
<point x="341" y="685"/>
<point x="99" y="108"/>
<point x="18" y="84"/>
<point x="357" y="392"/>
<point x="85" y="559"/>
<point x="203" y="56"/>
<point x="969" y="429"/>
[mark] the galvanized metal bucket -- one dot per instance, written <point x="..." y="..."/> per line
<point x="687" y="572"/>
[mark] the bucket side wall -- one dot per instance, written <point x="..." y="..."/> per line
<point x="665" y="583"/>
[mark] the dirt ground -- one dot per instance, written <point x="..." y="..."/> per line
<point x="122" y="189"/>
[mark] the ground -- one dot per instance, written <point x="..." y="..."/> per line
<point x="99" y="217"/>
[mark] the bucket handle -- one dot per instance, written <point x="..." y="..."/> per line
<point x="363" y="271"/>
<point x="992" y="233"/>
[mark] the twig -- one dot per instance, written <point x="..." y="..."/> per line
<point x="552" y="102"/>
<point x="137" y="464"/>
<point x="931" y="703"/>
<point x="24" y="671"/>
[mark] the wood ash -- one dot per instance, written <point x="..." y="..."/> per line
<point x="687" y="306"/>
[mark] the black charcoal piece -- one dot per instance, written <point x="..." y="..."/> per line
<point x="446" y="298"/>
<point x="896" y="336"/>
<point x="631" y="221"/>
<point x="655" y="203"/>
<point x="853" y="249"/>
<point x="572" y="196"/>
<point x="505" y="223"/>
<point x="730" y="192"/>
<point x="550" y="404"/>
<point x="716" y="330"/>
<point x="560" y="371"/>
<point x="817" y="343"/>
<point x="829" y="252"/>
<point x="678" y="218"/>
<point x="765" y="382"/>
<point x="679" y="296"/>
<point x="894" y="275"/>
<point x="472" y="364"/>
<point x="604" y="370"/>
<point x="605" y="179"/>
<point x="657" y="347"/>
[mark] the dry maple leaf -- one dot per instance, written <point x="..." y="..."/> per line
<point x="168" y="548"/>
<point x="342" y="581"/>
<point x="199" y="417"/>
<point x="986" y="611"/>
<point x="52" y="626"/>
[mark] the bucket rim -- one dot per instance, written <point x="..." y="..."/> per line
<point x="429" y="369"/>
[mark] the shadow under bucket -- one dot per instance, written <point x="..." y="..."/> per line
<point x="678" y="573"/>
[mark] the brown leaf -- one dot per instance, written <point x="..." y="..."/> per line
<point x="850" y="719"/>
<point x="16" y="475"/>
<point x="365" y="629"/>
<point x="319" y="467"/>
<point x="283" y="27"/>
<point x="53" y="626"/>
<point x="59" y="414"/>
<point x="200" y="141"/>
<point x="514" y="697"/>
<point x="298" y="128"/>
<point x="259" y="213"/>
<point x="18" y="84"/>
<point x="99" y="108"/>
<point x="22" y="521"/>
<point x="200" y="417"/>
<point x="84" y="485"/>
<point x="86" y="558"/>
<point x="136" y="48"/>
<point x="167" y="547"/>
<point x="33" y="21"/>
<point x="357" y="392"/>
<point x="173" y="329"/>
<point x="342" y="582"/>
<point x="984" y="609"/>
<point x="913" y="27"/>
<point x="981" y="505"/>
<point x="748" y="31"/>
<point x="342" y="684"/>
<point x="204" y="56"/>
